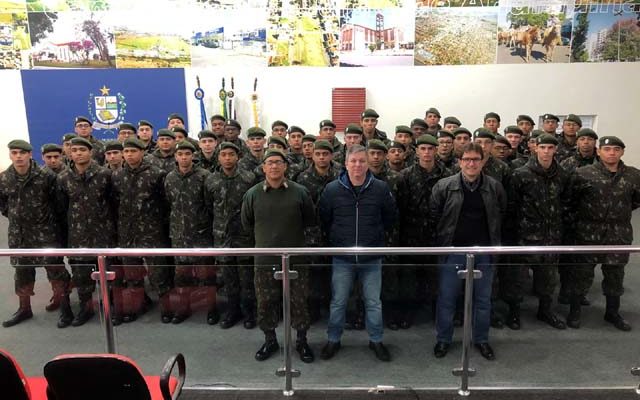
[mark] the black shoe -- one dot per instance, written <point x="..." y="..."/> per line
<point x="513" y="318"/>
<point x="496" y="321"/>
<point x="393" y="323"/>
<point x="249" y="322"/>
<point x="551" y="319"/>
<point x="66" y="316"/>
<point x="267" y="349"/>
<point x="83" y="316"/>
<point x="213" y="317"/>
<point x="179" y="318"/>
<point x="584" y="301"/>
<point x="126" y="318"/>
<point x="229" y="320"/>
<point x="305" y="352"/>
<point x="441" y="349"/>
<point x="486" y="351"/>
<point x="458" y="318"/>
<point x="382" y="353"/>
<point x="22" y="314"/>
<point x="358" y="324"/>
<point x="329" y="350"/>
<point x="166" y="318"/>
<point x="116" y="320"/>
<point x="617" y="321"/>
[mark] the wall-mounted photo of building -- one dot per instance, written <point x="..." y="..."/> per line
<point x="14" y="40"/>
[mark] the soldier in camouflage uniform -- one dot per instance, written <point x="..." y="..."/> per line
<point x="217" y="127"/>
<point x="307" y="149"/>
<point x="445" y="148"/>
<point x="418" y="127"/>
<point x="404" y="135"/>
<point x="125" y="131"/>
<point x="396" y="156"/>
<point x="352" y="136"/>
<point x="278" y="210"/>
<point x="369" y="123"/>
<point x="531" y="150"/>
<point x="252" y="159"/>
<point x="605" y="193"/>
<point x="492" y="123"/>
<point x="526" y="124"/>
<point x="113" y="155"/>
<point x="328" y="132"/>
<point x="432" y="119"/>
<point x="52" y="156"/>
<point x="28" y="200"/>
<point x="142" y="222"/>
<point x="66" y="147"/>
<point x="295" y="144"/>
<point x="190" y="226"/>
<point x="567" y="147"/>
<point x="145" y="134"/>
<point x="514" y="136"/>
<point x="232" y="134"/>
<point x="538" y="205"/>
<point x="83" y="128"/>
<point x="279" y="129"/>
<point x="208" y="143"/>
<point x="224" y="190"/>
<point x="502" y="149"/>
<point x="182" y="134"/>
<point x="461" y="137"/>
<point x="163" y="156"/>
<point x="450" y="124"/>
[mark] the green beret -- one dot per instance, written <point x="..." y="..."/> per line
<point x="229" y="145"/>
<point x="217" y="117"/>
<point x="294" y="129"/>
<point x="404" y="129"/>
<point x="545" y="138"/>
<point x="127" y="126"/>
<point x="503" y="140"/>
<point x="309" y="138"/>
<point x="206" y="133"/>
<point x="50" y="148"/>
<point x="323" y="145"/>
<point x="369" y="113"/>
<point x="513" y="129"/>
<point x="492" y="115"/>
<point x="78" y="141"/>
<point x="180" y="129"/>
<point x="81" y="118"/>
<point x="525" y="118"/>
<point x="277" y="140"/>
<point x="279" y="123"/>
<point x="275" y="152"/>
<point x="574" y="118"/>
<point x="144" y="122"/>
<point x="166" y="132"/>
<point x="175" y="116"/>
<point x="18" y="144"/>
<point x="587" y="132"/>
<point x="256" y="131"/>
<point x="68" y="136"/>
<point x="327" y="122"/>
<point x="185" y="145"/>
<point x="610" y="141"/>
<point x="375" y="144"/>
<point x="398" y="145"/>
<point x="353" y="129"/>
<point x="419" y="122"/>
<point x="113" y="145"/>
<point x="433" y="110"/>
<point x="442" y="133"/>
<point x="483" y="133"/>
<point x="427" y="139"/>
<point x="461" y="131"/>
<point x="234" y="123"/>
<point x="550" y="116"/>
<point x="536" y="132"/>
<point x="133" y="142"/>
<point x="452" y="120"/>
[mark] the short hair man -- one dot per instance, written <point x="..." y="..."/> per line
<point x="83" y="127"/>
<point x="52" y="157"/>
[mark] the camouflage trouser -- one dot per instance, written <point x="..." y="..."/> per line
<point x="581" y="278"/>
<point x="545" y="276"/>
<point x="269" y="297"/>
<point x="81" y="269"/>
<point x="237" y="274"/>
<point x="399" y="282"/>
<point x="197" y="271"/>
<point x="25" y="272"/>
<point x="160" y="273"/>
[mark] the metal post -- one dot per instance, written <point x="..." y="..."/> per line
<point x="465" y="371"/>
<point x="105" y="306"/>
<point x="286" y="276"/>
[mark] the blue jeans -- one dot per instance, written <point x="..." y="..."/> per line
<point x="450" y="286"/>
<point x="342" y="277"/>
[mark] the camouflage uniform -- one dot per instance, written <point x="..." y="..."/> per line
<point x="450" y="162"/>
<point x="167" y="163"/>
<point x="577" y="160"/>
<point x="296" y="158"/>
<point x="208" y="164"/>
<point x="565" y="150"/>
<point x="97" y="151"/>
<point x="151" y="147"/>
<point x="249" y="162"/>
<point x="63" y="167"/>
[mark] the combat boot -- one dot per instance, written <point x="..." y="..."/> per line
<point x="182" y="305"/>
<point x="250" y="316"/>
<point x="573" y="318"/>
<point x="54" y="304"/>
<point x="66" y="315"/>
<point x="513" y="318"/>
<point x="545" y="314"/>
<point x="232" y="314"/>
<point x="612" y="316"/>
<point x="303" y="348"/>
<point x="213" y="317"/>
<point x="166" y="315"/>
<point x="24" y="312"/>
<point x="86" y="311"/>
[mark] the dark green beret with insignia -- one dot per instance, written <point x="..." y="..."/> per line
<point x="419" y="122"/>
<point x="587" y="132"/>
<point x="398" y="145"/>
<point x="452" y="120"/>
<point x="375" y="144"/>
<point x="309" y="138"/>
<point x="78" y="141"/>
<point x="503" y="140"/>
<point x="322" y="145"/>
<point x="294" y="129"/>
<point x="574" y="118"/>
<point x="279" y="123"/>
<point x="513" y="129"/>
<point x="175" y="116"/>
<point x="442" y="133"/>
<point x="369" y="113"/>
<point x="483" y="133"/>
<point x="50" y="148"/>
<point x="19" y="144"/>
<point x="113" y="145"/>
<point x="206" y="133"/>
<point x="535" y="133"/>
<point x="229" y="145"/>
<point x="81" y="118"/>
<point x="234" y="123"/>
<point x="404" y="129"/>
<point x="166" y="132"/>
<point x="352" y="129"/>
<point x="185" y="145"/>
<point x="327" y="122"/>
<point x="610" y="141"/>
<point x="68" y="136"/>
<point x="461" y="131"/>
<point x="524" y="117"/>
<point x="545" y="138"/>
<point x="127" y="126"/>
<point x="180" y="129"/>
<point x="550" y="116"/>
<point x="275" y="152"/>
<point x="277" y="140"/>
<point x="432" y="110"/>
<point x="427" y="139"/>
<point x="256" y="131"/>
<point x="492" y="115"/>
<point x="144" y="122"/>
<point x="136" y="143"/>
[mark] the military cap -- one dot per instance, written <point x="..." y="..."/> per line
<point x="353" y="129"/>
<point x="180" y="129"/>
<point x="68" y="136"/>
<point x="427" y="139"/>
<point x="274" y="152"/>
<point x="545" y="138"/>
<point x="550" y="116"/>
<point x="279" y="123"/>
<point x="133" y="142"/>
<point x="433" y="110"/>
<point x="404" y="129"/>
<point x="322" y="145"/>
<point x="398" y="145"/>
<point x="19" y="144"/>
<point x="461" y="131"/>
<point x="166" y="132"/>
<point x="375" y="144"/>
<point x="113" y="145"/>
<point x="492" y="115"/>
<point x="256" y="131"/>
<point x="483" y="133"/>
<point x="309" y="138"/>
<point x="175" y="116"/>
<point x="587" y="132"/>
<point x="294" y="129"/>
<point x="206" y="133"/>
<point x="327" y="122"/>
<point x="234" y="123"/>
<point x="127" y="126"/>
<point x="144" y="122"/>
<point x="369" y="113"/>
<point x="217" y="117"/>
<point x="452" y="120"/>
<point x="574" y="118"/>
<point x="185" y="145"/>
<point x="78" y="141"/>
<point x="535" y="133"/>
<point x="524" y="117"/>
<point x="442" y="133"/>
<point x="419" y="122"/>
<point x="50" y="148"/>
<point x="81" y="118"/>
<point x="513" y="129"/>
<point x="277" y="140"/>
<point x="229" y="145"/>
<point x="503" y="140"/>
<point x="610" y="141"/>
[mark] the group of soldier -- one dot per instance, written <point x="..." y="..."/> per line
<point x="170" y="190"/>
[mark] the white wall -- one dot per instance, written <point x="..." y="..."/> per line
<point x="13" y="116"/>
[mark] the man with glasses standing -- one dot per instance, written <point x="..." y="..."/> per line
<point x="83" y="128"/>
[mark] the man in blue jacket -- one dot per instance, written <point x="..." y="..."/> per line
<point x="355" y="210"/>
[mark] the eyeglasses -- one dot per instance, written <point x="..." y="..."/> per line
<point x="471" y="160"/>
<point x="83" y="125"/>
<point x="272" y="163"/>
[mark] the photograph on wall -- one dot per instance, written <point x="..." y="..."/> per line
<point x="458" y="3"/>
<point x="276" y="4"/>
<point x="456" y="36"/>
<point x="14" y="40"/>
<point x="307" y="37"/>
<point x="373" y="4"/>
<point x="12" y="6"/>
<point x="229" y="37"/>
<point x="536" y="33"/>
<point x="67" y="5"/>
<point x="72" y="40"/>
<point x="606" y="33"/>
<point x="376" y="37"/>
<point x="157" y="42"/>
<point x="217" y="4"/>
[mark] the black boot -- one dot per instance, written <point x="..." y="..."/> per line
<point x="269" y="347"/>
<point x="66" y="315"/>
<point x="496" y="319"/>
<point x="303" y="348"/>
<point x="545" y="314"/>
<point x="24" y="312"/>
<point x="250" y="316"/>
<point x="612" y="316"/>
<point x="231" y="315"/>
<point x="86" y="311"/>
<point x="513" y="318"/>
<point x="573" y="318"/>
<point x="393" y="317"/>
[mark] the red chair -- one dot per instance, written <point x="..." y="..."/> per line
<point x="14" y="385"/>
<point x="110" y="377"/>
